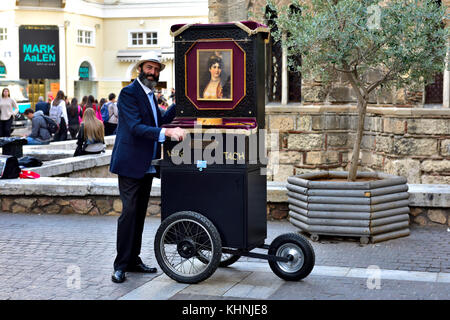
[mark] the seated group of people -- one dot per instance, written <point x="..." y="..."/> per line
<point x="90" y="138"/>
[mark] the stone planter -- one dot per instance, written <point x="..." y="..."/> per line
<point x="374" y="208"/>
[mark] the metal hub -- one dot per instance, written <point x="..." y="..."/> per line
<point x="295" y="256"/>
<point x="186" y="248"/>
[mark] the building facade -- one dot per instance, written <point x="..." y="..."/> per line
<point x="86" y="47"/>
<point x="289" y="87"/>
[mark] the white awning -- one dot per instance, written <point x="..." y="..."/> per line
<point x="130" y="55"/>
<point x="135" y="55"/>
<point x="167" y="56"/>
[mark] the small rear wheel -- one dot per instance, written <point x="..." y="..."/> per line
<point x="179" y="239"/>
<point x="296" y="248"/>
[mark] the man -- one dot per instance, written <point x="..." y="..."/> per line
<point x="172" y="93"/>
<point x="43" y="106"/>
<point x="39" y="129"/>
<point x="159" y="97"/>
<point x="113" y="115"/>
<point x="137" y="143"/>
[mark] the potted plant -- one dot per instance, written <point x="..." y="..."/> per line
<point x="404" y="41"/>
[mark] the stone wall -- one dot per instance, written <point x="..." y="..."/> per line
<point x="87" y="205"/>
<point x="412" y="142"/>
<point x="96" y="205"/>
<point x="218" y="11"/>
<point x="430" y="216"/>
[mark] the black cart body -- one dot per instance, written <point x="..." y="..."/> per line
<point x="232" y="197"/>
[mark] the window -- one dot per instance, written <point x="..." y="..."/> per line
<point x="42" y="3"/>
<point x="152" y="38"/>
<point x="137" y="38"/>
<point x="85" y="37"/>
<point x="3" y="34"/>
<point x="143" y="38"/>
<point x="88" y="37"/>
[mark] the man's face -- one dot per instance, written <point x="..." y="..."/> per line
<point x="149" y="73"/>
<point x="30" y="116"/>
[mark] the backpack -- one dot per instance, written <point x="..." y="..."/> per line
<point x="52" y="126"/>
<point x="29" y="162"/>
<point x="105" y="111"/>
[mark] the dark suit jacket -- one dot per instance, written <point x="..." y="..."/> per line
<point x="43" y="106"/>
<point x="136" y="132"/>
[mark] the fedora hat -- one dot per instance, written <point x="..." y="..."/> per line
<point x="150" y="56"/>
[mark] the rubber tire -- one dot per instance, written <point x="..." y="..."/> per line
<point x="215" y="238"/>
<point x="308" y="253"/>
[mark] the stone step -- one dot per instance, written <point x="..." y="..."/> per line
<point x="421" y="195"/>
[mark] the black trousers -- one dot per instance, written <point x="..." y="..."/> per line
<point x="5" y="127"/>
<point x="110" y="128"/>
<point x="61" y="134"/>
<point x="135" y="194"/>
<point x="73" y="130"/>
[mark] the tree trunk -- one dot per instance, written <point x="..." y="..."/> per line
<point x="362" y="106"/>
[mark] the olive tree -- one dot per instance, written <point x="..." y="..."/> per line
<point x="402" y="42"/>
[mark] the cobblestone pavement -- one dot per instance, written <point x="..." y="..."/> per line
<point x="41" y="257"/>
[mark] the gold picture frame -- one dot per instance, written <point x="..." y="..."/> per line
<point x="209" y="62"/>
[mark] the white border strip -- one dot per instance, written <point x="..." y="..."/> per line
<point x="331" y="271"/>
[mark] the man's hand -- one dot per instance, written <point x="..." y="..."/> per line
<point x="177" y="133"/>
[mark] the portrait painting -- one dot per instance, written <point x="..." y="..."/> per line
<point x="215" y="74"/>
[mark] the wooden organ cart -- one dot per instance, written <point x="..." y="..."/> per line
<point x="213" y="186"/>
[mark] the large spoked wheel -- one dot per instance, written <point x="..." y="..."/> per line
<point x="226" y="260"/>
<point x="178" y="240"/>
<point x="299" y="250"/>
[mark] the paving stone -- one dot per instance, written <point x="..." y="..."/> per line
<point x="337" y="288"/>
<point x="218" y="284"/>
<point x="256" y="286"/>
<point x="36" y="250"/>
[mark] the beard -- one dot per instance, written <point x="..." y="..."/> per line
<point x="146" y="82"/>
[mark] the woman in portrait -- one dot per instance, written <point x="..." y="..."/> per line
<point x="214" y="86"/>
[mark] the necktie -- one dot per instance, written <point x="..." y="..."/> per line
<point x="152" y="103"/>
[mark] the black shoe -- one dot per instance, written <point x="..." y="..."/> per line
<point x="140" y="267"/>
<point x="118" y="276"/>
